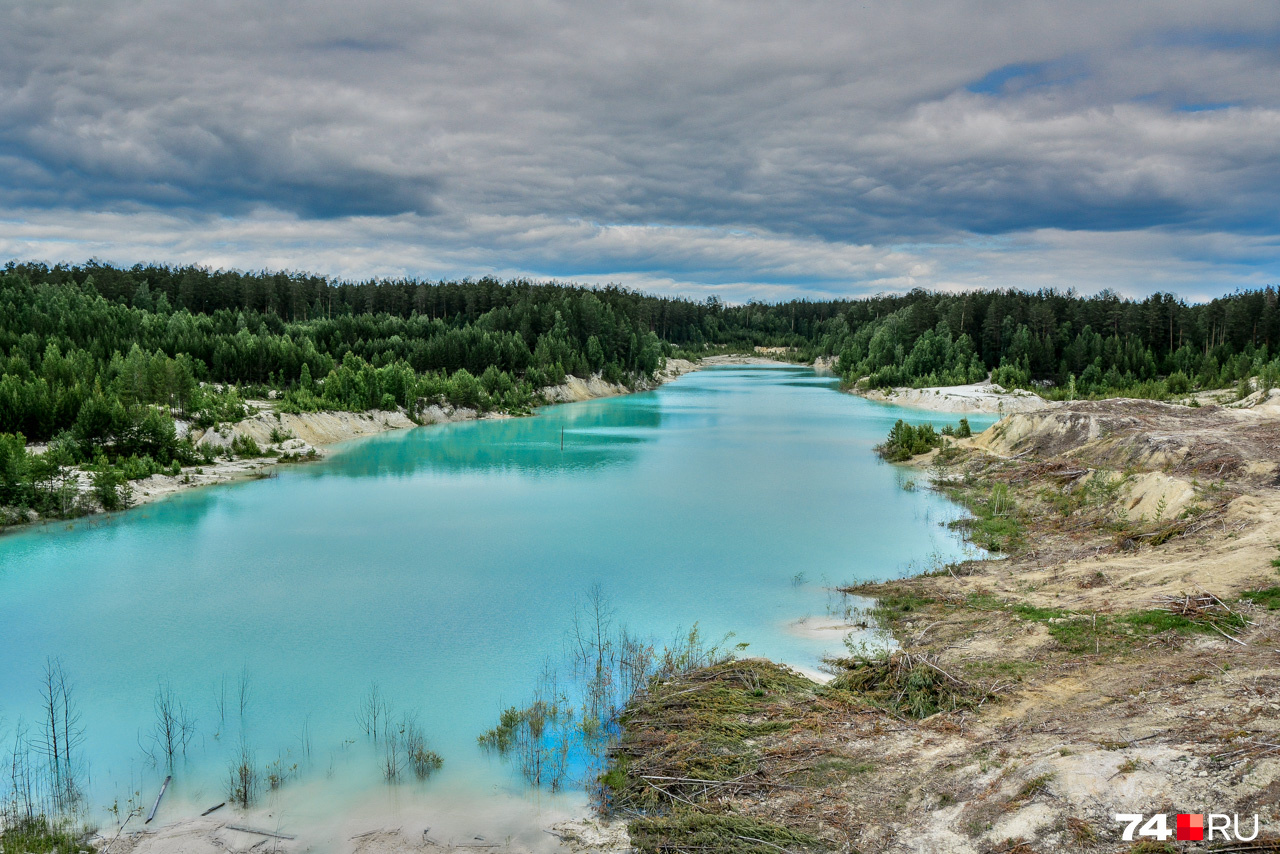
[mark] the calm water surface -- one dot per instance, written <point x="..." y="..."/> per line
<point x="443" y="563"/>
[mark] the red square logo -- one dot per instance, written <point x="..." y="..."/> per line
<point x="1190" y="827"/>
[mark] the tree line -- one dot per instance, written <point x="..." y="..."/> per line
<point x="1060" y="343"/>
<point x="102" y="363"/>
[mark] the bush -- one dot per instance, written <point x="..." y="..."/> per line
<point x="905" y="441"/>
<point x="245" y="446"/>
<point x="137" y="468"/>
<point x="110" y="486"/>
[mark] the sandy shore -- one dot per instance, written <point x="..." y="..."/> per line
<point x="735" y="359"/>
<point x="986" y="398"/>
<point x="1119" y="655"/>
<point x="516" y="826"/>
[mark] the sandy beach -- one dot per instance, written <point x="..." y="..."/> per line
<point x="984" y="398"/>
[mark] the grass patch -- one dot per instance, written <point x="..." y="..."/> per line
<point x="1268" y="597"/>
<point x="1107" y="633"/>
<point x="894" y="605"/>
<point x="39" y="835"/>
<point x="1031" y="788"/>
<point x="996" y="523"/>
<point x="1082" y="633"/>
<point x="1033" y="613"/>
<point x="731" y="834"/>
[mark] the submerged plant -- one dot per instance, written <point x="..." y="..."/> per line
<point x="242" y="788"/>
<point x="581" y="716"/>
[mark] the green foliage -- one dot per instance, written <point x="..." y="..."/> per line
<point x="100" y="361"/>
<point x="1268" y="598"/>
<point x="425" y="761"/>
<point x="246" y="446"/>
<point x="110" y="486"/>
<point x="77" y="337"/>
<point x="1062" y="346"/>
<point x="39" y="835"/>
<point x="909" y="684"/>
<point x="502" y="737"/>
<point x="996" y="523"/>
<point x="905" y="441"/>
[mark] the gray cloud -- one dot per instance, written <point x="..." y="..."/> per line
<point x="509" y="130"/>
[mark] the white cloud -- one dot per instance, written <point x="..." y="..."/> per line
<point x="763" y="145"/>
<point x="734" y="264"/>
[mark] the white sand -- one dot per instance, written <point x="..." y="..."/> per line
<point x="985" y="397"/>
<point x="447" y="822"/>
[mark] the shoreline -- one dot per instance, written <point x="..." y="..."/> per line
<point x="1118" y="655"/>
<point x="310" y="432"/>
<point x="983" y="398"/>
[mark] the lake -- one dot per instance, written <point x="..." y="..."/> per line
<point x="444" y="564"/>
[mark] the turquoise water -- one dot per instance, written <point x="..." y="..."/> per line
<point x="444" y="563"/>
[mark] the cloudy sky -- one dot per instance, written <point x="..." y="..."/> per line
<point x="749" y="149"/>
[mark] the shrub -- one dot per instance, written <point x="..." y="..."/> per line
<point x="905" y="441"/>
<point x="110" y="486"/>
<point x="245" y="446"/>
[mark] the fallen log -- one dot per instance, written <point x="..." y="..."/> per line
<point x="156" y="805"/>
<point x="260" y="832"/>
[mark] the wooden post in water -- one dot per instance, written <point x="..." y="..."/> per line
<point x="156" y="805"/>
<point x="562" y="438"/>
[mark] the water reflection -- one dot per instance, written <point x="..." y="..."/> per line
<point x="573" y="438"/>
